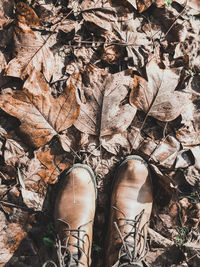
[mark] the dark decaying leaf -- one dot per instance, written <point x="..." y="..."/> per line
<point x="41" y="116"/>
<point x="106" y="110"/>
<point x="157" y="97"/>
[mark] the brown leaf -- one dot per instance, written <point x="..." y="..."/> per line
<point x="26" y="15"/>
<point x="11" y="236"/>
<point x="105" y="110"/>
<point x="41" y="116"/>
<point x="157" y="97"/>
<point x="142" y="5"/>
<point x="53" y="165"/>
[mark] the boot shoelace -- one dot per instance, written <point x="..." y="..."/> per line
<point x="65" y="256"/>
<point x="134" y="242"/>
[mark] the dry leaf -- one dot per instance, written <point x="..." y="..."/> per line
<point x="116" y="143"/>
<point x="32" y="200"/>
<point x="6" y="9"/>
<point x="31" y="53"/>
<point x="26" y="15"/>
<point x="166" y="152"/>
<point x="196" y="153"/>
<point x="41" y="116"/>
<point x="30" y="49"/>
<point x="157" y="97"/>
<point x="183" y="159"/>
<point x="11" y="236"/>
<point x="53" y="165"/>
<point x="105" y="111"/>
<point x="142" y="5"/>
<point x="192" y="176"/>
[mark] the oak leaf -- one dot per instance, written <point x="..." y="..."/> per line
<point x="105" y="110"/>
<point x="41" y="116"/>
<point x="158" y="97"/>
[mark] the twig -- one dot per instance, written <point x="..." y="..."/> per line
<point x="175" y="20"/>
<point x="159" y="239"/>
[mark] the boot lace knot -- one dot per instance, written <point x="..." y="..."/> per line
<point x="134" y="241"/>
<point x="65" y="255"/>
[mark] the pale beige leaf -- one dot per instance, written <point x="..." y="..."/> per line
<point x="41" y="115"/>
<point x="105" y="111"/>
<point x="115" y="143"/>
<point x="32" y="200"/>
<point x="166" y="152"/>
<point x="157" y="97"/>
<point x="32" y="53"/>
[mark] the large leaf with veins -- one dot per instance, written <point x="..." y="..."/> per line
<point x="41" y="116"/>
<point x="105" y="109"/>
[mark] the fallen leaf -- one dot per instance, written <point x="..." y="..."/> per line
<point x="53" y="165"/>
<point x="142" y="5"/>
<point x="41" y="116"/>
<point x="26" y="15"/>
<point x="14" y="152"/>
<point x="166" y="152"/>
<point x="2" y="61"/>
<point x="31" y="53"/>
<point x="6" y="9"/>
<point x="116" y="143"/>
<point x="188" y="134"/>
<point x="157" y="97"/>
<point x="105" y="111"/>
<point x="32" y="200"/>
<point x="11" y="236"/>
<point x="183" y="159"/>
<point x="196" y="153"/>
<point x="192" y="176"/>
<point x="133" y="3"/>
<point x="30" y="49"/>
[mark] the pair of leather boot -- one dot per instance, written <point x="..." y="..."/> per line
<point x="131" y="204"/>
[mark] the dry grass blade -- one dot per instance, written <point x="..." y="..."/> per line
<point x="21" y="181"/>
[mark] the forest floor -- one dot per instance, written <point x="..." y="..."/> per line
<point x="92" y="82"/>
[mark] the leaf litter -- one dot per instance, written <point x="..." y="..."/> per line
<point x="93" y="82"/>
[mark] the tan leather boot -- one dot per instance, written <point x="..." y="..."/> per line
<point x="74" y="215"/>
<point x="131" y="205"/>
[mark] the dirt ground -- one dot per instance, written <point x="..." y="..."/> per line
<point x="92" y="82"/>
